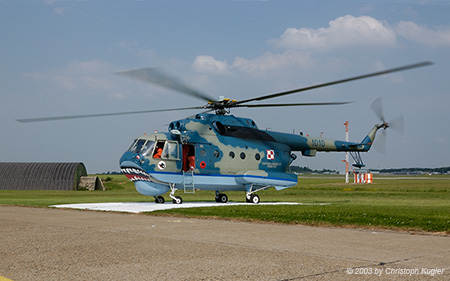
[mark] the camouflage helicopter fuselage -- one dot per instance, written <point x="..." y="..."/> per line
<point x="221" y="153"/>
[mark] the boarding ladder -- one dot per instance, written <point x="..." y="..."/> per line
<point x="188" y="182"/>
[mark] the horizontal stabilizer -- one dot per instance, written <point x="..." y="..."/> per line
<point x="358" y="144"/>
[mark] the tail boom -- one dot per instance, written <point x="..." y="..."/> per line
<point x="308" y="146"/>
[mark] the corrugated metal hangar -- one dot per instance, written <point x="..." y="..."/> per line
<point x="41" y="176"/>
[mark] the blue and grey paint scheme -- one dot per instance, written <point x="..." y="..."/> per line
<point x="222" y="153"/>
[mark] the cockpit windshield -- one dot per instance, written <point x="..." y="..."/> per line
<point x="137" y="145"/>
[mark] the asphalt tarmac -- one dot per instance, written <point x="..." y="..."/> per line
<point x="61" y="244"/>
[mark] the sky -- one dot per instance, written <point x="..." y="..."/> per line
<point x="61" y="58"/>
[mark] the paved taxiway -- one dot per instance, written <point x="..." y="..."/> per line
<point x="53" y="244"/>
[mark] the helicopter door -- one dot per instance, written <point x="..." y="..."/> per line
<point x="188" y="157"/>
<point x="166" y="153"/>
<point x="203" y="155"/>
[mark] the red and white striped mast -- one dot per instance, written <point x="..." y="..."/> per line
<point x="346" y="153"/>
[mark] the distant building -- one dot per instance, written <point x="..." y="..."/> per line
<point x="41" y="176"/>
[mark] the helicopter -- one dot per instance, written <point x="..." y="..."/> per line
<point x="215" y="150"/>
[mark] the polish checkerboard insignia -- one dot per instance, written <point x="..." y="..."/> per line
<point x="270" y="154"/>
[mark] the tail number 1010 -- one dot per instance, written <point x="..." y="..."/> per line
<point x="317" y="143"/>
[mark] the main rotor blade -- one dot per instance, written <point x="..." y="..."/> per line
<point x="338" y="82"/>
<point x="291" y="104"/>
<point x="44" y="119"/>
<point x="156" y="76"/>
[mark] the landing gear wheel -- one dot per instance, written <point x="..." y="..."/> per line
<point x="177" y="200"/>
<point x="254" y="199"/>
<point x="159" y="200"/>
<point x="222" y="198"/>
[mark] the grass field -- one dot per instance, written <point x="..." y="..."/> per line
<point x="407" y="203"/>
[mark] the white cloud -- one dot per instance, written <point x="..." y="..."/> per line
<point x="425" y="36"/>
<point x="346" y="31"/>
<point x="300" y="44"/>
<point x="60" y="11"/>
<point x="134" y="47"/>
<point x="130" y="46"/>
<point x="77" y="76"/>
<point x="57" y="10"/>
<point x="393" y="77"/>
<point x="208" y="64"/>
<point x="265" y="62"/>
<point x="270" y="61"/>
<point x="89" y="80"/>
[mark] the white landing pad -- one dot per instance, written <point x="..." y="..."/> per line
<point x="139" y="207"/>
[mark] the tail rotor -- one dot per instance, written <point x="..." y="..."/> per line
<point x="396" y="124"/>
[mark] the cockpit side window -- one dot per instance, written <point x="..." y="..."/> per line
<point x="158" y="152"/>
<point x="170" y="150"/>
<point x="166" y="150"/>
<point x="148" y="148"/>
